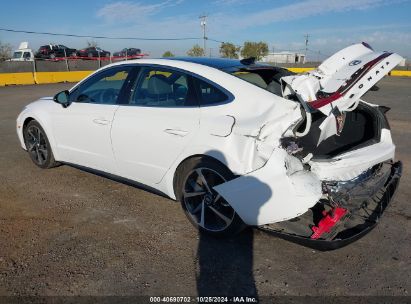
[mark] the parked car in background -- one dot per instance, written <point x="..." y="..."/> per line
<point x="128" y="52"/>
<point x="93" y="52"/>
<point x="51" y="51"/>
<point x="23" y="53"/>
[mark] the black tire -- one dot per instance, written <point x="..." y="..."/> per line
<point x="208" y="212"/>
<point x="38" y="146"/>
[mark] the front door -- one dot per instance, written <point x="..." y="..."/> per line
<point x="82" y="130"/>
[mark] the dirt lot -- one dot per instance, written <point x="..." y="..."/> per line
<point x="68" y="232"/>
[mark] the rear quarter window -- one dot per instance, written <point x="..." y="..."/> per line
<point x="209" y="94"/>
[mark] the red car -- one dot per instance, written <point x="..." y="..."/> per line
<point x="93" y="52"/>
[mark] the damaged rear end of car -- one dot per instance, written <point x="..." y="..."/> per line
<point x="328" y="176"/>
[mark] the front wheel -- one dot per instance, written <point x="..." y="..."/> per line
<point x="205" y="208"/>
<point x="38" y="146"/>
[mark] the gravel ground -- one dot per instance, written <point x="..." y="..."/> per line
<point x="68" y="232"/>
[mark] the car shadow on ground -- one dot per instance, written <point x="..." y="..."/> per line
<point x="225" y="266"/>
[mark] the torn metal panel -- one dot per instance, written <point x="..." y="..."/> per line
<point x="280" y="190"/>
<point x="367" y="197"/>
<point x="220" y="126"/>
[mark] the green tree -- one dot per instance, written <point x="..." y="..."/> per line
<point x="254" y="49"/>
<point x="196" y="51"/>
<point x="168" y="54"/>
<point x="229" y="50"/>
<point x="5" y="51"/>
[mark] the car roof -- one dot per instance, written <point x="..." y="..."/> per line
<point x="218" y="63"/>
<point x="223" y="64"/>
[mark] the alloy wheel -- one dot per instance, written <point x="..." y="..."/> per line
<point x="37" y="145"/>
<point x="204" y="205"/>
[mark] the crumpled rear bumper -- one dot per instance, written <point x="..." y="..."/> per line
<point x="345" y="237"/>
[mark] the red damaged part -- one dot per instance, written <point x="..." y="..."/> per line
<point x="316" y="104"/>
<point x="328" y="222"/>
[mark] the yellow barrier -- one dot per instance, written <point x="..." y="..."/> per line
<point x="300" y="70"/>
<point x="55" y="77"/>
<point x="16" y="78"/>
<point x="400" y="73"/>
<point x="392" y="73"/>
<point x="42" y="77"/>
<point x="75" y="76"/>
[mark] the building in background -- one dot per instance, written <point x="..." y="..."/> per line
<point x="284" y="57"/>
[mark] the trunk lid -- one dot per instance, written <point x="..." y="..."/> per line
<point x="337" y="85"/>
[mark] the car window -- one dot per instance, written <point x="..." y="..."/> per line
<point x="104" y="87"/>
<point x="163" y="88"/>
<point x="26" y="55"/>
<point x="17" y="55"/>
<point x="209" y="94"/>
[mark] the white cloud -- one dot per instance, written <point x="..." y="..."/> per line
<point x="299" y="10"/>
<point x="229" y="26"/>
<point x="231" y="2"/>
<point x="124" y="11"/>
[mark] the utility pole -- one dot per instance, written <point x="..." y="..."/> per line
<point x="203" y="24"/>
<point x="306" y="46"/>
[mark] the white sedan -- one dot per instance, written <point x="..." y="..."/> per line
<point x="236" y="142"/>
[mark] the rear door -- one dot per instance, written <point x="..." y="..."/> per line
<point x="159" y="121"/>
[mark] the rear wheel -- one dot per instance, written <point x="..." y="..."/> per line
<point x="38" y="146"/>
<point x="203" y="206"/>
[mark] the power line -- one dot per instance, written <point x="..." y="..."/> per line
<point x="142" y="38"/>
<point x="99" y="37"/>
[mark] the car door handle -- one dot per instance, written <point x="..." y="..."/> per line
<point x="100" y="121"/>
<point x="177" y="132"/>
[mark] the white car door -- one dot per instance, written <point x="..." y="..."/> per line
<point x="153" y="129"/>
<point x="82" y="129"/>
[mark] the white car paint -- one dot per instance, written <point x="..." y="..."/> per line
<point x="82" y="134"/>
<point x="148" y="144"/>
<point x="147" y="140"/>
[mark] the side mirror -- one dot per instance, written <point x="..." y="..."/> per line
<point x="62" y="98"/>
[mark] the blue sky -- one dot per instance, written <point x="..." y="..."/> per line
<point x="332" y="24"/>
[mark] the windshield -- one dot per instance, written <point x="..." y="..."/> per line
<point x="17" y="54"/>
